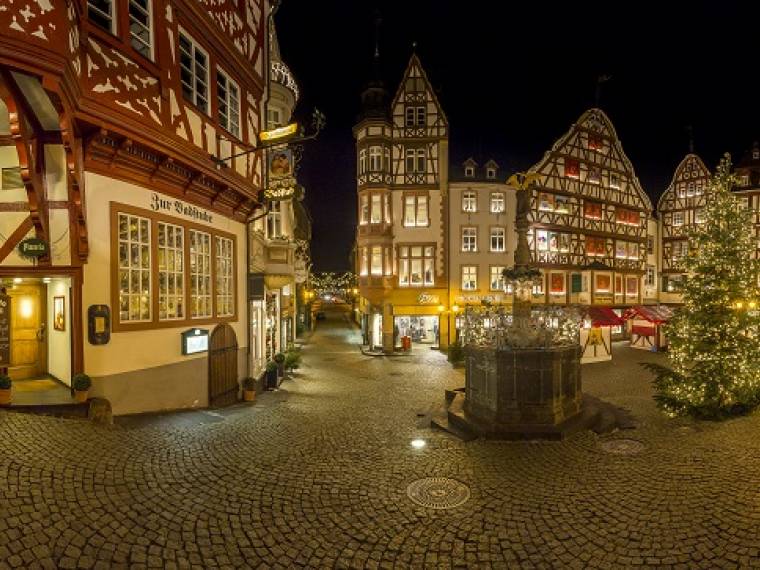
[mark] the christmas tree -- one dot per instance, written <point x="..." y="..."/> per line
<point x="714" y="340"/>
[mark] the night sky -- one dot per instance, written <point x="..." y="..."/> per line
<point x="512" y="79"/>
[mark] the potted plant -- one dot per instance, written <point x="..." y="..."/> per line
<point x="279" y="359"/>
<point x="271" y="375"/>
<point x="249" y="389"/>
<point x="81" y="384"/>
<point x="5" y="389"/>
<point x="293" y="360"/>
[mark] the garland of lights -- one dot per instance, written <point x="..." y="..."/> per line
<point x="330" y="282"/>
<point x="714" y="338"/>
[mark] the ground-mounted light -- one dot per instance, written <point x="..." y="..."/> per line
<point x="418" y="443"/>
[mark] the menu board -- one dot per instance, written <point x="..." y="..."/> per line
<point x="5" y="330"/>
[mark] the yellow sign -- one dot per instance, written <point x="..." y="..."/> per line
<point x="279" y="133"/>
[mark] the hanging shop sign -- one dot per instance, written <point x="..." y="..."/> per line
<point x="160" y="204"/>
<point x="194" y="341"/>
<point x="279" y="133"/>
<point x="5" y="330"/>
<point x="281" y="169"/>
<point x="32" y="248"/>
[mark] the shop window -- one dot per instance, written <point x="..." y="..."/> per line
<point x="470" y="239"/>
<point x="225" y="289"/>
<point x="416" y="266"/>
<point x="497" y="277"/>
<point x="497" y="203"/>
<point x="200" y="274"/>
<point x="498" y="238"/>
<point x="193" y="72"/>
<point x="228" y="100"/>
<point x="415" y="210"/>
<point x="171" y="272"/>
<point x="140" y="27"/>
<point x="469" y="201"/>
<point x="134" y="269"/>
<point x="469" y="277"/>
<point x="101" y="13"/>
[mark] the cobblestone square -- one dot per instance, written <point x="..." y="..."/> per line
<point x="316" y="475"/>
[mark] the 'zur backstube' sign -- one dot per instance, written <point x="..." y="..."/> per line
<point x="157" y="204"/>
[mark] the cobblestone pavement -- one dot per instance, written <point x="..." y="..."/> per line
<point x="315" y="475"/>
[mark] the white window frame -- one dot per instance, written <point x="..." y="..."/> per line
<point x="469" y="278"/>
<point x="147" y="11"/>
<point x="469" y="201"/>
<point x="376" y="260"/>
<point x="362" y="161"/>
<point x="228" y="96"/>
<point x="470" y="239"/>
<point x="496" y="274"/>
<point x="421" y="162"/>
<point x="375" y="158"/>
<point x="199" y="273"/>
<point x="224" y="288"/>
<point x="172" y="274"/>
<point x="363" y="210"/>
<point x="420" y="116"/>
<point x="414" y="205"/>
<point x="407" y="259"/>
<point x="469" y="171"/>
<point x="111" y="17"/>
<point x="144" y="270"/>
<point x="498" y="241"/>
<point x="195" y="48"/>
<point x="498" y="202"/>
<point x="274" y="220"/>
<point x="491" y="173"/>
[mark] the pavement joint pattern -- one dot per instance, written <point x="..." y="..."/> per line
<point x="438" y="492"/>
<point x="315" y="475"/>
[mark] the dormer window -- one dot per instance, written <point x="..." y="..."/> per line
<point x="491" y="173"/>
<point x="469" y="171"/>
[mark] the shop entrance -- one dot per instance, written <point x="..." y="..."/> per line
<point x="421" y="329"/>
<point x="38" y="333"/>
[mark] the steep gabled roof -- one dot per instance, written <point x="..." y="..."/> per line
<point x="689" y="163"/>
<point x="414" y="69"/>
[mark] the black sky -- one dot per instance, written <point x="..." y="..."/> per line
<point x="512" y="78"/>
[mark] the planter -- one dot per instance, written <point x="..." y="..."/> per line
<point x="249" y="395"/>
<point x="81" y="396"/>
<point x="5" y="397"/>
<point x="271" y="377"/>
<point x="281" y="370"/>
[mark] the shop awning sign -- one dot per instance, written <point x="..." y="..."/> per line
<point x="281" y="170"/>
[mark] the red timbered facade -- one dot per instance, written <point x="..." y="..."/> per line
<point x="117" y="121"/>
<point x="592" y="233"/>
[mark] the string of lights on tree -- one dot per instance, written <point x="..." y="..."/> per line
<point x="714" y="338"/>
<point x="330" y="282"/>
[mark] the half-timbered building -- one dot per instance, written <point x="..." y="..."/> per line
<point x="402" y="176"/>
<point x="592" y="233"/>
<point x="124" y="126"/>
<point x="680" y="210"/>
<point x="747" y="173"/>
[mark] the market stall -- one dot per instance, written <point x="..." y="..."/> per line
<point x="596" y="334"/>
<point x="647" y="326"/>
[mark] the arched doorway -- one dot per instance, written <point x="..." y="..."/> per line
<point x="222" y="366"/>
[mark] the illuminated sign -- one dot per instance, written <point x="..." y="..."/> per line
<point x="279" y="133"/>
<point x="32" y="248"/>
<point x="428" y="299"/>
<point x="194" y="341"/>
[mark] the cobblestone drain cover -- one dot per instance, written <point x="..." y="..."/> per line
<point x="438" y="492"/>
<point x="622" y="446"/>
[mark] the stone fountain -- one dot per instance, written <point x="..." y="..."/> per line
<point x="522" y="367"/>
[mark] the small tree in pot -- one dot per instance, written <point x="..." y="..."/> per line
<point x="249" y="389"/>
<point x="292" y="360"/>
<point x="5" y="389"/>
<point x="81" y="384"/>
<point x="279" y="359"/>
<point x="271" y="375"/>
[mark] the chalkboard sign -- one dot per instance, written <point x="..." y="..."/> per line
<point x="5" y="330"/>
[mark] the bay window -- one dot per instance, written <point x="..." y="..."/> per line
<point x="376" y="260"/>
<point x="376" y="211"/>
<point x="364" y="209"/>
<point x="375" y="158"/>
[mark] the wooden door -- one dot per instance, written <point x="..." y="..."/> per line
<point x="222" y="366"/>
<point x="28" y="331"/>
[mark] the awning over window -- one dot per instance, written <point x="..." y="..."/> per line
<point x="657" y="314"/>
<point x="603" y="317"/>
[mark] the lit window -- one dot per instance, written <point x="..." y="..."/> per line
<point x="376" y="265"/>
<point x="274" y="220"/>
<point x="200" y="274"/>
<point x="193" y="72"/>
<point x="225" y="288"/>
<point x="677" y="218"/>
<point x="595" y="246"/>
<point x="651" y="278"/>
<point x="376" y="211"/>
<point x="699" y="216"/>
<point x="375" y="158"/>
<point x="228" y="99"/>
<point x="140" y="27"/>
<point x="364" y="210"/>
<point x="171" y="273"/>
<point x="416" y="266"/>
<point x="497" y="278"/>
<point x="554" y="242"/>
<point x="614" y="181"/>
<point x="274" y="120"/>
<point x="592" y="210"/>
<point x="101" y="13"/>
<point x="572" y="168"/>
<point x="362" y="161"/>
<point x="415" y="211"/>
<point x="469" y="239"/>
<point x="627" y="217"/>
<point x="497" y="203"/>
<point x="491" y="173"/>
<point x="469" y="202"/>
<point x="363" y="261"/>
<point x="469" y="278"/>
<point x="134" y="269"/>
<point x="626" y="250"/>
<point x="498" y="239"/>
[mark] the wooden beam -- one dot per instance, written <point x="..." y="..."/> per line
<point x="17" y="235"/>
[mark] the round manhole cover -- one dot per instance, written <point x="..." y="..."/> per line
<point x="622" y="446"/>
<point x="438" y="492"/>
